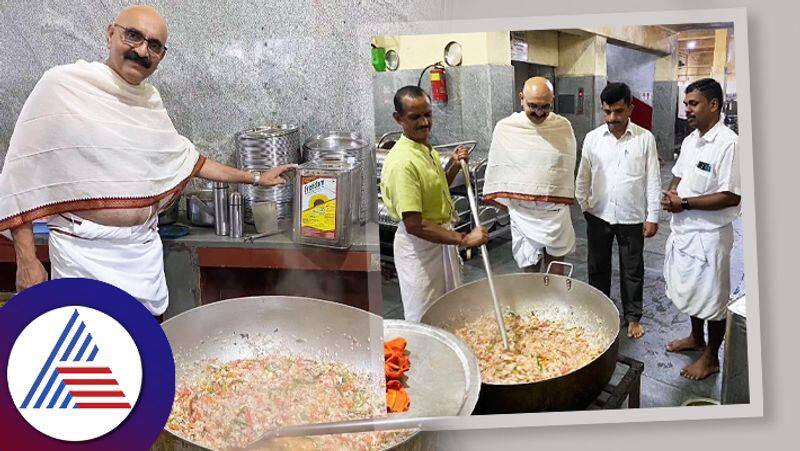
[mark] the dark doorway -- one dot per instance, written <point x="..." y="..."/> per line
<point x="524" y="71"/>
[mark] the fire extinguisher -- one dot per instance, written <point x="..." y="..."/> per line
<point x="438" y="82"/>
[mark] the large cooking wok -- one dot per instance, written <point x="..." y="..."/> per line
<point x="552" y="297"/>
<point x="316" y="329"/>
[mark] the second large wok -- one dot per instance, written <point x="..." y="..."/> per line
<point x="552" y="297"/>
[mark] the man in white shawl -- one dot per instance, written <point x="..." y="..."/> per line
<point x="704" y="199"/>
<point x="530" y="172"/>
<point x="95" y="151"/>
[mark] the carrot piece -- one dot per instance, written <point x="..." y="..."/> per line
<point x="395" y="366"/>
<point x="396" y="397"/>
<point x="397" y="344"/>
<point x="401" y="402"/>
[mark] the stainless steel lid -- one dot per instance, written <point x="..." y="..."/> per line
<point x="267" y="131"/>
<point x="335" y="141"/>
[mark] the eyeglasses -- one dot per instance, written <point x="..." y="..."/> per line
<point x="546" y="108"/>
<point x="134" y="38"/>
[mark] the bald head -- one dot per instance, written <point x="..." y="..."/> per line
<point x="538" y="87"/>
<point x="136" y="43"/>
<point x="537" y="99"/>
<point x="145" y="16"/>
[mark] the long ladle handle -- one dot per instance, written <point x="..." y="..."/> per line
<point x="473" y="205"/>
<point x="352" y="426"/>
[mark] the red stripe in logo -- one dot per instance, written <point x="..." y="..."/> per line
<point x="103" y="405"/>
<point x="97" y="394"/>
<point x="85" y="370"/>
<point x="90" y="381"/>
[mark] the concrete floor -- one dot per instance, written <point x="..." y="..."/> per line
<point x="662" y="384"/>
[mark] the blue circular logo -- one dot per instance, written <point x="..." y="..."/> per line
<point x="87" y="367"/>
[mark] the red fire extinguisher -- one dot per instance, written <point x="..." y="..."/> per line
<point x="438" y="84"/>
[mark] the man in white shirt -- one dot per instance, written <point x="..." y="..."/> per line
<point x="618" y="188"/>
<point x="704" y="199"/>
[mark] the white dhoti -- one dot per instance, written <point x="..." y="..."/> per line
<point x="538" y="227"/>
<point x="130" y="258"/>
<point x="425" y="270"/>
<point x="697" y="272"/>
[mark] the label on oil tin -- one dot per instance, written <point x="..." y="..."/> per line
<point x="318" y="198"/>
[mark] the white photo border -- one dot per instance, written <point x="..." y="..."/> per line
<point x="738" y="16"/>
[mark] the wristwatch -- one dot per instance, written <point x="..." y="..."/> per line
<point x="256" y="178"/>
<point x="685" y="204"/>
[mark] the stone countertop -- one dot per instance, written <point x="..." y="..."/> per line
<point x="364" y="239"/>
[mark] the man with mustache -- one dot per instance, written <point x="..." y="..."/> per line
<point x="416" y="192"/>
<point x="618" y="188"/>
<point x="530" y="172"/>
<point x="95" y="151"/>
<point x="704" y="199"/>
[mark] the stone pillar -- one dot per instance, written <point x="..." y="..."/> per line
<point x="665" y="103"/>
<point x="720" y="56"/>
<point x="582" y="64"/>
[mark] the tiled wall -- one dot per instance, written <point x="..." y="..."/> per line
<point x="632" y="67"/>
<point x="478" y="97"/>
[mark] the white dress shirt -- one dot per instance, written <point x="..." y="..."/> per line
<point x="619" y="180"/>
<point x="707" y="164"/>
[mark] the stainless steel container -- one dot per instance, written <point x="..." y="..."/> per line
<point x="260" y="149"/>
<point x="236" y="215"/>
<point x="503" y="218"/>
<point x="170" y="215"/>
<point x="351" y="147"/>
<point x="488" y="216"/>
<point x="383" y="215"/>
<point x="479" y="174"/>
<point x="323" y="203"/>
<point x="221" y="220"/>
<point x="443" y="379"/>
<point x="735" y="376"/>
<point x="200" y="208"/>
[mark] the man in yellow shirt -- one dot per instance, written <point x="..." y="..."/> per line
<point x="416" y="192"/>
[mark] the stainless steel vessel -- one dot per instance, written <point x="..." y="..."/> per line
<point x="551" y="296"/>
<point x="200" y="208"/>
<point x="443" y="368"/>
<point x="221" y="220"/>
<point x="488" y="216"/>
<point x="170" y="215"/>
<point x="260" y="149"/>
<point x="236" y="215"/>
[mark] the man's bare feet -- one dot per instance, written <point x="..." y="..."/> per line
<point x="685" y="344"/>
<point x="635" y="330"/>
<point x="703" y="367"/>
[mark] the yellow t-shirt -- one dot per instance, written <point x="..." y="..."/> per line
<point x="413" y="180"/>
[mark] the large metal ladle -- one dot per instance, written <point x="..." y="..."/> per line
<point x="473" y="205"/>
<point x="352" y="426"/>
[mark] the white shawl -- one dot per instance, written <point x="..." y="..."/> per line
<point x="531" y="162"/>
<point x="87" y="139"/>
